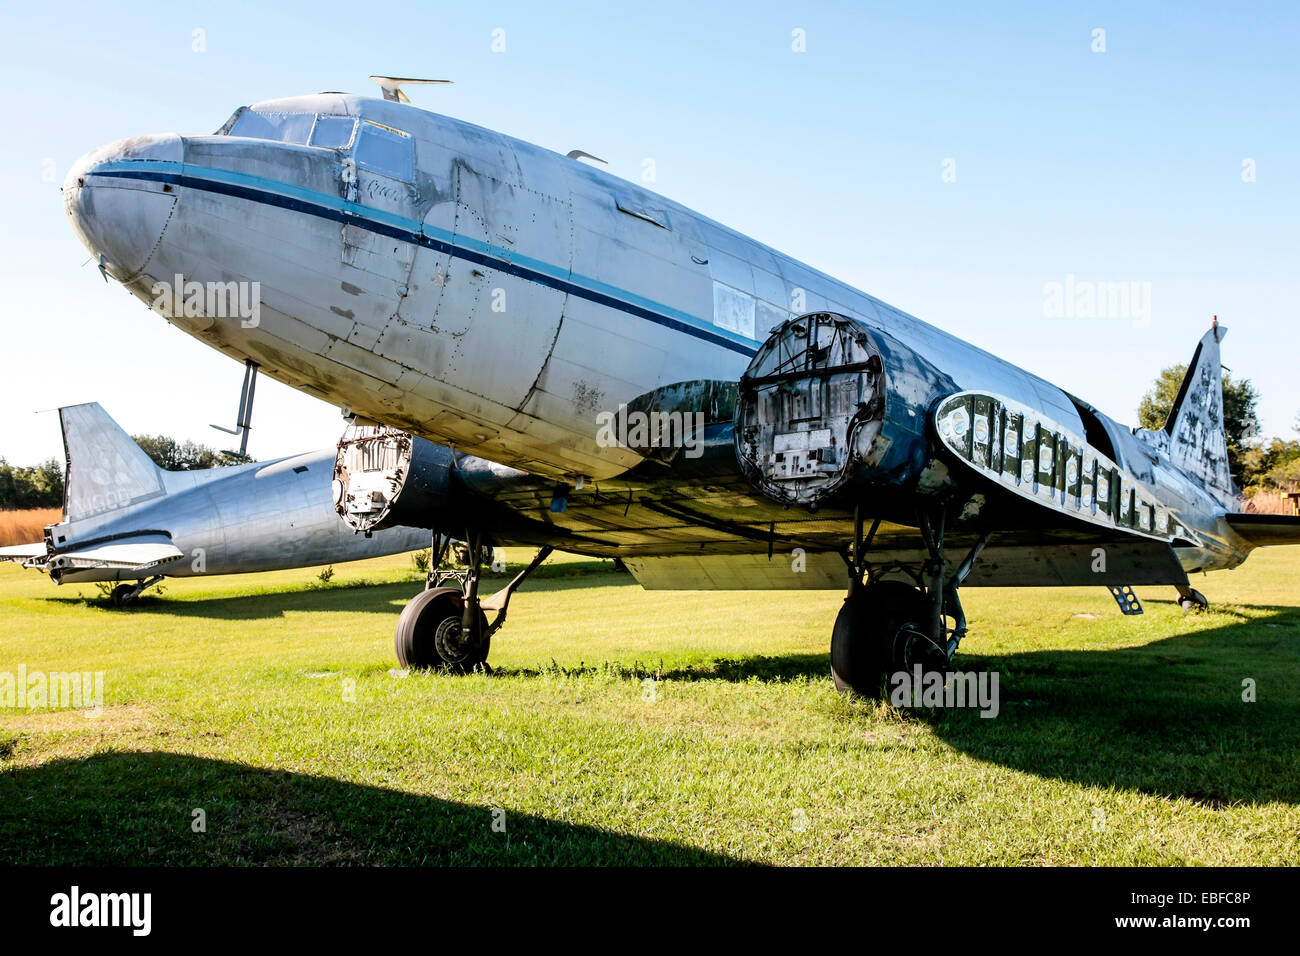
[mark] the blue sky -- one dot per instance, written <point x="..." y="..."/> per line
<point x="1116" y="166"/>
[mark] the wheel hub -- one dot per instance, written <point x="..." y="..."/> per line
<point x="453" y="642"/>
<point x="913" y="646"/>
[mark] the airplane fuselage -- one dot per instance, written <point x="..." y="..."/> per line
<point x="495" y="296"/>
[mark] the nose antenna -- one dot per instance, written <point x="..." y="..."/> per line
<point x="392" y="86"/>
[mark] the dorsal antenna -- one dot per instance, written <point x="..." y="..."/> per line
<point x="392" y="86"/>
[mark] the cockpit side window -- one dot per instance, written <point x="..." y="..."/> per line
<point x="385" y="150"/>
<point x="374" y="146"/>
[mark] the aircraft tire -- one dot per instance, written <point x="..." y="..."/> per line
<point x="121" y="595"/>
<point x="417" y="637"/>
<point x="864" y="649"/>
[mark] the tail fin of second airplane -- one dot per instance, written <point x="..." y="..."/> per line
<point x="1198" y="440"/>
<point x="106" y="469"/>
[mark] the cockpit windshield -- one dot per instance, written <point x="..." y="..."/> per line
<point x="375" y="147"/>
<point x="325" y="130"/>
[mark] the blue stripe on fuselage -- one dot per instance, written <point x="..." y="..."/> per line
<point x="272" y="192"/>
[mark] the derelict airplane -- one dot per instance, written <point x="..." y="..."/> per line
<point x="127" y="520"/>
<point x="531" y="314"/>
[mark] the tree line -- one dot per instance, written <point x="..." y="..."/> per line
<point x="41" y="485"/>
<point x="1258" y="464"/>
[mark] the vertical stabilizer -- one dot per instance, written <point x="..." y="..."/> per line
<point x="106" y="469"/>
<point x="1198" y="439"/>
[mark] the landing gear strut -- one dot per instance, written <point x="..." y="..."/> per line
<point x="887" y="626"/>
<point x="125" y="594"/>
<point x="447" y="627"/>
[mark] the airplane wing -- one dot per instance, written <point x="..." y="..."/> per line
<point x="1037" y="460"/>
<point x="137" y="555"/>
<point x="1264" y="530"/>
<point x="1014" y="563"/>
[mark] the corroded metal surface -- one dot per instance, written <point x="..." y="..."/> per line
<point x="498" y="299"/>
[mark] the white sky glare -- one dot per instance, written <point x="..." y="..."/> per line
<point x="1117" y="166"/>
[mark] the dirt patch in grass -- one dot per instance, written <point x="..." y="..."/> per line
<point x="37" y="738"/>
<point x="118" y="718"/>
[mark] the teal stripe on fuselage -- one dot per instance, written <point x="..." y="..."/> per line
<point x="360" y="214"/>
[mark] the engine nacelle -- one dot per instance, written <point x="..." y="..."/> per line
<point x="811" y="405"/>
<point x="385" y="477"/>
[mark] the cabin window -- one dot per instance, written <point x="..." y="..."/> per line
<point x="733" y="310"/>
<point x="385" y="150"/>
<point x="332" y="132"/>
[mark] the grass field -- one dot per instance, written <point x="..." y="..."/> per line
<point x="26" y="526"/>
<point x="623" y="726"/>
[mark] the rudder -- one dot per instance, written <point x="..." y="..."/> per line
<point x="106" y="469"/>
<point x="1198" y="438"/>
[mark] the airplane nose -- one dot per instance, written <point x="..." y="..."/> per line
<point x="120" y="198"/>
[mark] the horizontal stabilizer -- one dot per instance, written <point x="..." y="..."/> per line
<point x="136" y="555"/>
<point x="1265" y="530"/>
<point x="23" y="553"/>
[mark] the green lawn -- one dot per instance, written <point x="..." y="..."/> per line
<point x="624" y="726"/>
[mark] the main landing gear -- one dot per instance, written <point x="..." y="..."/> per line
<point x="1190" y="599"/>
<point x="447" y="627"/>
<point x="887" y="626"/>
<point x="125" y="594"/>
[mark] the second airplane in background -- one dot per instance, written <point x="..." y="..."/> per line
<point x="127" y="520"/>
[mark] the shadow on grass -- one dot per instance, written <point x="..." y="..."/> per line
<point x="138" y="808"/>
<point x="382" y="597"/>
<point x="1165" y="718"/>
